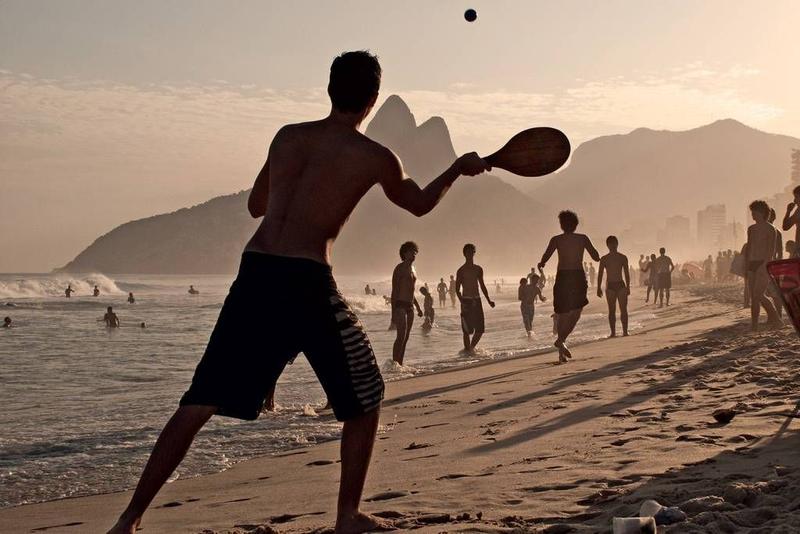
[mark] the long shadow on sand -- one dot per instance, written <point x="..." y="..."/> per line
<point x="698" y="348"/>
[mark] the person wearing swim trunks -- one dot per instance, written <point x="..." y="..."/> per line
<point x="315" y="175"/>
<point x="527" y="294"/>
<point x="663" y="270"/>
<point x="441" y="289"/>
<point x="469" y="285"/>
<point x="427" y="306"/>
<point x="618" y="285"/>
<point x="451" y="288"/>
<point x="569" y="290"/>
<point x="762" y="241"/>
<point x="404" y="278"/>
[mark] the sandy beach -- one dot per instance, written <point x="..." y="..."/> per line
<point x="523" y="445"/>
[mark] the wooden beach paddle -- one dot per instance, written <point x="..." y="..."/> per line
<point x="532" y="152"/>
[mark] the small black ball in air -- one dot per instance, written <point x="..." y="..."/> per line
<point x="471" y="15"/>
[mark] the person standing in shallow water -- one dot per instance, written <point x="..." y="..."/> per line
<point x="469" y="284"/>
<point x="617" y="286"/>
<point x="527" y="294"/>
<point x="451" y="288"/>
<point x="569" y="290"/>
<point x="315" y="175"/>
<point x="404" y="279"/>
<point x="441" y="289"/>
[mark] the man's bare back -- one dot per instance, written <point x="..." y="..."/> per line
<point x="761" y="241"/>
<point x="570" y="247"/>
<point x="314" y="176"/>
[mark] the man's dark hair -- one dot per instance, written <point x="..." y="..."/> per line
<point x="662" y="250"/>
<point x="354" y="81"/>
<point x="760" y="206"/>
<point x="468" y="246"/>
<point x="568" y="220"/>
<point x="612" y="239"/>
<point x="796" y="190"/>
<point x="408" y="246"/>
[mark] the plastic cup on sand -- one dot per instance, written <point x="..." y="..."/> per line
<point x="634" y="525"/>
<point x="786" y="275"/>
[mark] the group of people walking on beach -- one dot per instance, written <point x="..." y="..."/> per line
<point x="314" y="176"/>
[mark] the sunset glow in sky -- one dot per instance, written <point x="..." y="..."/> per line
<point x="112" y="110"/>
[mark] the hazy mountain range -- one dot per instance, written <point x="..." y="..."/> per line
<point x="612" y="181"/>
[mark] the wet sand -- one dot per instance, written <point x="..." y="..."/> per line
<point x="524" y="445"/>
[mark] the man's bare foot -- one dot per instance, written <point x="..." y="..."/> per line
<point x="360" y="522"/>
<point x="612" y="335"/>
<point x="123" y="527"/>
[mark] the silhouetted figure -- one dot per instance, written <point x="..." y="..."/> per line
<point x="404" y="301"/>
<point x="193" y="291"/>
<point x="652" y="278"/>
<point x="451" y="288"/>
<point x="367" y="290"/>
<point x="131" y="299"/>
<point x="664" y="267"/>
<point x="569" y="291"/>
<point x="441" y="289"/>
<point x="427" y="307"/>
<point x="96" y="291"/>
<point x="773" y="292"/>
<point x="762" y="241"/>
<point x="404" y="278"/>
<point x="110" y="318"/>
<point x="7" y="322"/>
<point x="315" y="175"/>
<point x="642" y="274"/>
<point x="142" y="325"/>
<point x="791" y="248"/>
<point x="708" y="269"/>
<point x="469" y="285"/>
<point x="69" y="291"/>
<point x="530" y="288"/>
<point x="374" y="293"/>
<point x="618" y="285"/>
<point x="592" y="274"/>
<point x="792" y="218"/>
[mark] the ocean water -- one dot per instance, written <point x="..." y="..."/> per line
<point x="83" y="404"/>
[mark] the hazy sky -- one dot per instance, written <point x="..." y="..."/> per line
<point x="112" y="110"/>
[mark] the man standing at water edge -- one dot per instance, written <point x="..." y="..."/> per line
<point x="762" y="241"/>
<point x="664" y="268"/>
<point x="404" y="279"/>
<point x="314" y="176"/>
<point x="569" y="290"/>
<point x="617" y="289"/>
<point x="469" y="278"/>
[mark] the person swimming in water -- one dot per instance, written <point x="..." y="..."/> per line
<point x="69" y="291"/>
<point x="131" y="300"/>
<point x="7" y="322"/>
<point x="96" y="291"/>
<point x="193" y="291"/>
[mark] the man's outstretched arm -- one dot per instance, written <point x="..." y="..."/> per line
<point x="551" y="248"/>
<point x="483" y="288"/>
<point x="591" y="250"/>
<point x="405" y="192"/>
